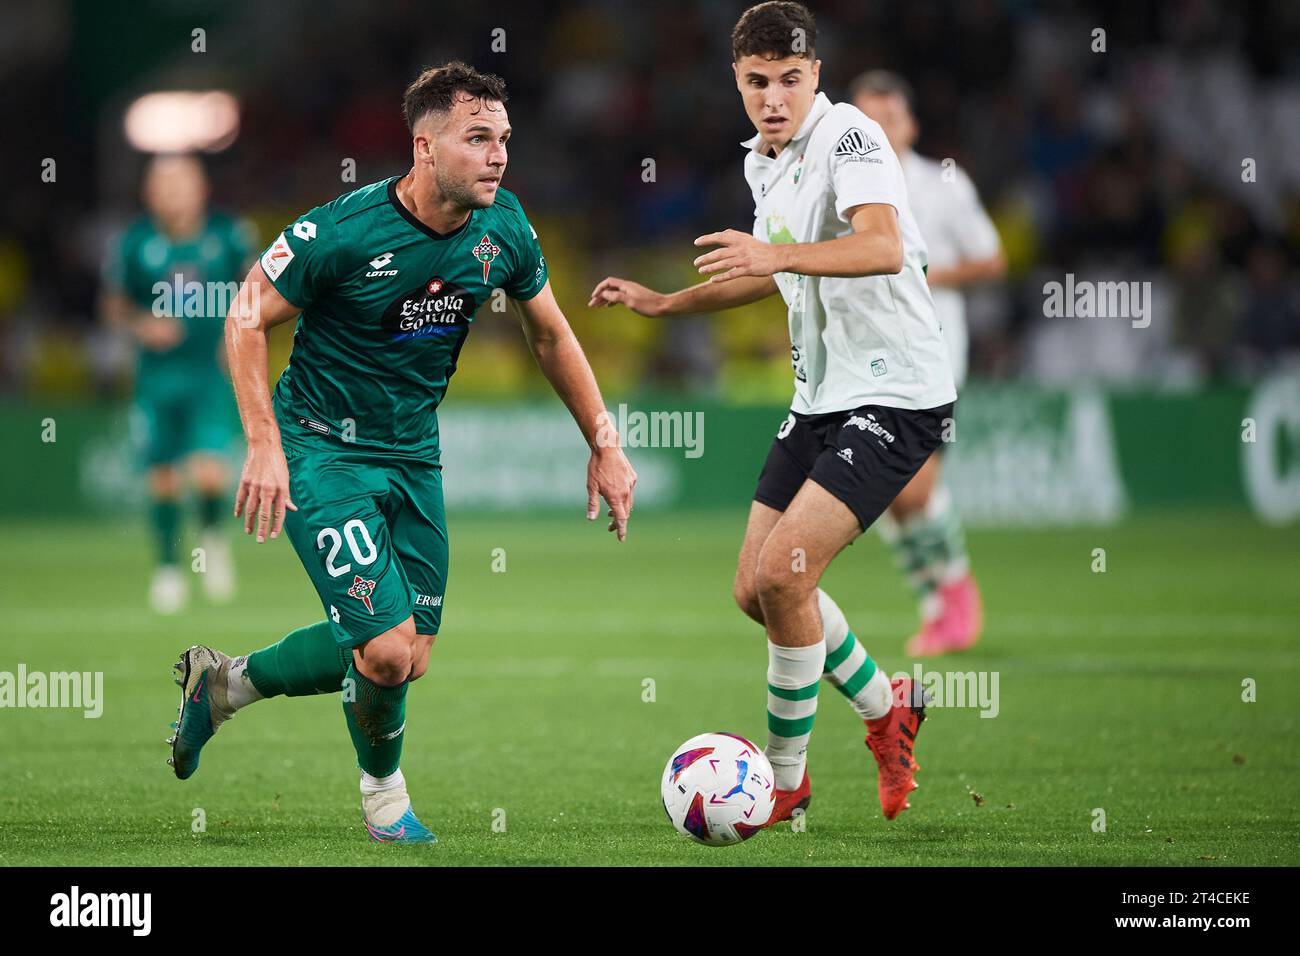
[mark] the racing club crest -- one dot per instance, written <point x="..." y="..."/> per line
<point x="485" y="252"/>
<point x="361" y="590"/>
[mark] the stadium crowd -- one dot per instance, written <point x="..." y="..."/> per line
<point x="1163" y="149"/>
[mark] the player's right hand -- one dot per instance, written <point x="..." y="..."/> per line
<point x="264" y="489"/>
<point x="610" y="476"/>
<point x="158" y="333"/>
<point x="615" y="291"/>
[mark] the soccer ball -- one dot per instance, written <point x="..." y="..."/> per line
<point x="717" y="789"/>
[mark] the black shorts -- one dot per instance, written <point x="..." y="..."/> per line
<point x="864" y="457"/>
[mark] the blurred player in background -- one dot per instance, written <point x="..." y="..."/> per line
<point x="182" y="407"/>
<point x="922" y="525"/>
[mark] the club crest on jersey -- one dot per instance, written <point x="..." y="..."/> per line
<point x="361" y="590"/>
<point x="485" y="252"/>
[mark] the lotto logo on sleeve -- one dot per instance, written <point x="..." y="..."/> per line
<point x="276" y="258"/>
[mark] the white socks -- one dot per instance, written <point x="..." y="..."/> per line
<point x="793" y="676"/>
<point x="371" y="784"/>
<point x="848" y="666"/>
<point x="240" y="691"/>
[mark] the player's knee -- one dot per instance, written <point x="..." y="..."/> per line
<point x="165" y="482"/>
<point x="777" y="580"/>
<point x="387" y="666"/>
<point x="910" y="501"/>
<point x="747" y="597"/>
<point x="387" y="659"/>
<point x="420" y="658"/>
<point x="209" y="476"/>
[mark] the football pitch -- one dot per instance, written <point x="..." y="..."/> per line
<point x="560" y="685"/>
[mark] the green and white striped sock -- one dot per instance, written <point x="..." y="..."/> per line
<point x="929" y="548"/>
<point x="848" y="666"/>
<point x="793" y="676"/>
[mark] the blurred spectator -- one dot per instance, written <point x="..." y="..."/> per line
<point x="1208" y="300"/>
<point x="1270" y="326"/>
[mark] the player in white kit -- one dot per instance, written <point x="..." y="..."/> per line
<point x="922" y="526"/>
<point x="873" y="391"/>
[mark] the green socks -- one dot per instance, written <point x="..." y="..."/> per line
<point x="166" y="524"/>
<point x="166" y="516"/>
<point x="306" y="661"/>
<point x="376" y="719"/>
<point x="309" y="661"/>
<point x="929" y="547"/>
<point x="210" y="511"/>
<point x="849" y="668"/>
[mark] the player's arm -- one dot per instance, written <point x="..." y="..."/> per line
<point x="875" y="247"/>
<point x="118" y="311"/>
<point x="561" y="359"/>
<point x="264" y="482"/>
<point x="708" y="296"/>
<point x="158" y="333"/>
<point x="969" y="272"/>
<point x="975" y="237"/>
<point x="154" y="332"/>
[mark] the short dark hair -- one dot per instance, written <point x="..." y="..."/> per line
<point x="435" y="89"/>
<point x="883" y="83"/>
<point x="775" y="30"/>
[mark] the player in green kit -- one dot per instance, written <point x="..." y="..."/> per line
<point x="169" y="280"/>
<point x="346" y="458"/>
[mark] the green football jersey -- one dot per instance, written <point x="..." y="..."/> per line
<point x="192" y="279"/>
<point x="386" y="305"/>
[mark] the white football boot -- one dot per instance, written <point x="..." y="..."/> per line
<point x="219" y="569"/>
<point x="168" y="592"/>
<point x="389" y="818"/>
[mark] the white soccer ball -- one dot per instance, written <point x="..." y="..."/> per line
<point x="717" y="789"/>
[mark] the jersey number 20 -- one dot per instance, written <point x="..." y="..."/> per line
<point x="352" y="531"/>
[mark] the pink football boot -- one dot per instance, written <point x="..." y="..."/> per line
<point x="956" y="626"/>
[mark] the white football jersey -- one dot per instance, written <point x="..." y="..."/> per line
<point x="871" y="340"/>
<point x="956" y="229"/>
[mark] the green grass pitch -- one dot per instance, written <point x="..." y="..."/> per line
<point x="1119" y="690"/>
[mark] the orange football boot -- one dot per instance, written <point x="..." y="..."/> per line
<point x="786" y="802"/>
<point x="891" y="740"/>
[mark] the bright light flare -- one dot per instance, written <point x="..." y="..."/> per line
<point x="183" y="121"/>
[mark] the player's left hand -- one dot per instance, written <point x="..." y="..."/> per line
<point x="159" y="333"/>
<point x="739" y="254"/>
<point x="610" y="476"/>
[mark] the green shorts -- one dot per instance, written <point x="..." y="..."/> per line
<point x="172" y="422"/>
<point x="372" y="533"/>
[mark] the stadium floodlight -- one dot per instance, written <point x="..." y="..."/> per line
<point x="176" y="121"/>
